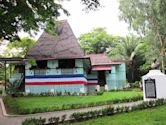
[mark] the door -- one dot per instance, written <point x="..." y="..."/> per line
<point x="101" y="78"/>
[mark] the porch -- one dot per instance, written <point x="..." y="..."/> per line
<point x="6" y="66"/>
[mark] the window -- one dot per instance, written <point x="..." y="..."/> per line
<point x="42" y="64"/>
<point x="67" y="63"/>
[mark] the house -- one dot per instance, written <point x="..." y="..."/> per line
<point x="61" y="66"/>
<point x="106" y="73"/>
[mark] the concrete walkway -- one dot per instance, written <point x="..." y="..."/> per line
<point x="17" y="120"/>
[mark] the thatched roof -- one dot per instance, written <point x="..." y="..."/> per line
<point x="63" y="46"/>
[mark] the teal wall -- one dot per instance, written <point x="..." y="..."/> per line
<point x="55" y="88"/>
<point x="53" y="64"/>
<point x="117" y="78"/>
<point x="92" y="78"/>
<point x="54" y="70"/>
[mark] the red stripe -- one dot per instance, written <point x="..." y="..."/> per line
<point x="56" y="83"/>
<point x="91" y="84"/>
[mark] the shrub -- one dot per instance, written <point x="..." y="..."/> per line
<point x="111" y="110"/>
<point x="93" y="114"/>
<point x="11" y="104"/>
<point x="15" y="108"/>
<point x="135" y="84"/>
<point x="34" y="121"/>
<point x="1" y="91"/>
<point x="63" y="118"/>
<point x="100" y="93"/>
<point x="53" y="120"/>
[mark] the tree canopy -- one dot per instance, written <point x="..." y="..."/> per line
<point x="29" y="15"/>
<point x="97" y="41"/>
<point x="129" y="52"/>
<point x="19" y="48"/>
<point x="147" y="17"/>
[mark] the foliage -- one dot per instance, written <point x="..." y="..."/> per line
<point x="19" y="48"/>
<point x="12" y="88"/>
<point x="1" y="91"/>
<point x="34" y="121"/>
<point x="111" y="110"/>
<point x="136" y="84"/>
<point x="129" y="51"/>
<point x="150" y="116"/>
<point x="26" y="105"/>
<point x="97" y="41"/>
<point x="81" y="116"/>
<point x="147" y="17"/>
<point x="30" y="15"/>
<point x="1" y="73"/>
<point x="32" y="61"/>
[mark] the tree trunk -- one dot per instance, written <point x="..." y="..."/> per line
<point x="162" y="59"/>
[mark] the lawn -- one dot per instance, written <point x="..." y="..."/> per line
<point x="155" y="116"/>
<point x="52" y="103"/>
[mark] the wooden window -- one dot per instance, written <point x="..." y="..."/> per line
<point x="42" y="64"/>
<point x="66" y="63"/>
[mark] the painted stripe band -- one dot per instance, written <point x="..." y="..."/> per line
<point x="54" y="76"/>
<point x="56" y="83"/>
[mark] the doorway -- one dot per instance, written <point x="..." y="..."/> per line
<point x="101" y="78"/>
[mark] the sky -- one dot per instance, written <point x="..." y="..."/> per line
<point x="83" y="22"/>
<point x="107" y="16"/>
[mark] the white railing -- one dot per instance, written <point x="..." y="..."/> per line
<point x="67" y="71"/>
<point x="40" y="72"/>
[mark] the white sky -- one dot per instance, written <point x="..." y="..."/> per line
<point x="82" y="22"/>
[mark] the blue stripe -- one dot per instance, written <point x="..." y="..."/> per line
<point x="92" y="79"/>
<point x="54" y="76"/>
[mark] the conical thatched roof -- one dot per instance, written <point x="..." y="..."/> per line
<point x="63" y="46"/>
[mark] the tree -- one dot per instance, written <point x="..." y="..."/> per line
<point x="19" y="48"/>
<point x="147" y="16"/>
<point x="96" y="41"/>
<point x="129" y="51"/>
<point x="30" y="15"/>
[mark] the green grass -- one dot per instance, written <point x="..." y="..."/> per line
<point x="155" y="116"/>
<point x="51" y="103"/>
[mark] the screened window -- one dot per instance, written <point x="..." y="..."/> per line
<point x="42" y="64"/>
<point x="66" y="63"/>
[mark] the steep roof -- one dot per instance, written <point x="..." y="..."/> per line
<point x="63" y="46"/>
<point x="101" y="59"/>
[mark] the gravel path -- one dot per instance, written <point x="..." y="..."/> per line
<point x="16" y="120"/>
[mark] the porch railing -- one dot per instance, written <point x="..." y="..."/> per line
<point x="40" y="72"/>
<point x="46" y="71"/>
<point x="67" y="71"/>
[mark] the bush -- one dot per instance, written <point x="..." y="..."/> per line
<point x="53" y="120"/>
<point x="100" y="93"/>
<point x="80" y="116"/>
<point x="135" y="84"/>
<point x="34" y="121"/>
<point x="15" y="108"/>
<point x="111" y="110"/>
<point x="11" y="104"/>
<point x="1" y="91"/>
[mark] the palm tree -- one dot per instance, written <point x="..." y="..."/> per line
<point x="127" y="51"/>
